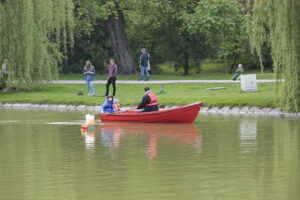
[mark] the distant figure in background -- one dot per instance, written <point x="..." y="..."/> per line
<point x="149" y="101"/>
<point x="108" y="105"/>
<point x="238" y="72"/>
<point x="112" y="76"/>
<point x="4" y="74"/>
<point x="144" y="61"/>
<point x="89" y="72"/>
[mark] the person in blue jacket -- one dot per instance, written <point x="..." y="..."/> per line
<point x="108" y="105"/>
<point x="144" y="62"/>
<point x="89" y="72"/>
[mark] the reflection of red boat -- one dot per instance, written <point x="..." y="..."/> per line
<point x="185" y="133"/>
<point x="183" y="114"/>
<point x="177" y="134"/>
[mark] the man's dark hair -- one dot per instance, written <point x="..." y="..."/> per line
<point x="146" y="89"/>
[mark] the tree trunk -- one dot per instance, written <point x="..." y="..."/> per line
<point x="185" y="62"/>
<point x="233" y="65"/>
<point x="65" y="66"/>
<point x="198" y="65"/>
<point x="116" y="31"/>
<point x="235" y="56"/>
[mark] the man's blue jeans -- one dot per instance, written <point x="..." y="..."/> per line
<point x="143" y="71"/>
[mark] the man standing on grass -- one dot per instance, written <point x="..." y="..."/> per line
<point x="144" y="60"/>
<point x="112" y="77"/>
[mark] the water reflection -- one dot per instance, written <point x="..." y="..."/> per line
<point x="111" y="136"/>
<point x="248" y="135"/>
<point x="89" y="137"/>
<point x="39" y="160"/>
<point x="174" y="134"/>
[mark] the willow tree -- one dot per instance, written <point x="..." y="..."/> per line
<point x="33" y="35"/>
<point x="277" y="23"/>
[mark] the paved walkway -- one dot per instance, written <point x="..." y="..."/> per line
<point x="156" y="81"/>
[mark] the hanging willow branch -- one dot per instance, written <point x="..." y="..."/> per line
<point x="32" y="34"/>
<point x="277" y="22"/>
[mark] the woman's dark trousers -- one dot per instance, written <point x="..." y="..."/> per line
<point x="111" y="80"/>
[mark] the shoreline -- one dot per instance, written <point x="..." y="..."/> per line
<point x="226" y="110"/>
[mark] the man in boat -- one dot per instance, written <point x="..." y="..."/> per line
<point x="149" y="101"/>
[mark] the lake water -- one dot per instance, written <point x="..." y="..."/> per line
<point x="45" y="156"/>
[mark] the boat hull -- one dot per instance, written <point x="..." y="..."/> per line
<point x="183" y="114"/>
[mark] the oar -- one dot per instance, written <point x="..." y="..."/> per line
<point x="104" y="114"/>
<point x="133" y="109"/>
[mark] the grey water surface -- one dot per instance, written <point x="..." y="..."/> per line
<point x="45" y="156"/>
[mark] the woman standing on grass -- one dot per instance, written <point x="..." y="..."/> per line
<point x="89" y="72"/>
<point x="112" y="77"/>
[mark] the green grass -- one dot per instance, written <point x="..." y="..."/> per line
<point x="131" y="94"/>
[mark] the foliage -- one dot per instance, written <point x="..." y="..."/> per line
<point x="170" y="30"/>
<point x="158" y="26"/>
<point x="32" y="34"/>
<point x="91" y="39"/>
<point x="222" y="23"/>
<point x="100" y="35"/>
<point x="182" y="32"/>
<point x="277" y="24"/>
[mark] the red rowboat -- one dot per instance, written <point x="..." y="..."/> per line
<point x="183" y="114"/>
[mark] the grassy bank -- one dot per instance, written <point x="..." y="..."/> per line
<point x="130" y="94"/>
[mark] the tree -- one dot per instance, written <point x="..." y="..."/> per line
<point x="159" y="26"/>
<point x="182" y="45"/>
<point x="119" y="41"/>
<point x="221" y="21"/>
<point x="91" y="40"/>
<point x="277" y="23"/>
<point x="104" y="19"/>
<point x="31" y="40"/>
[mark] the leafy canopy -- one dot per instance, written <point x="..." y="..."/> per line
<point x="33" y="35"/>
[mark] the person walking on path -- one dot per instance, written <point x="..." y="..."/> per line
<point x="144" y="60"/>
<point x="238" y="72"/>
<point x="112" y="76"/>
<point x="89" y="72"/>
<point x="149" y="101"/>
